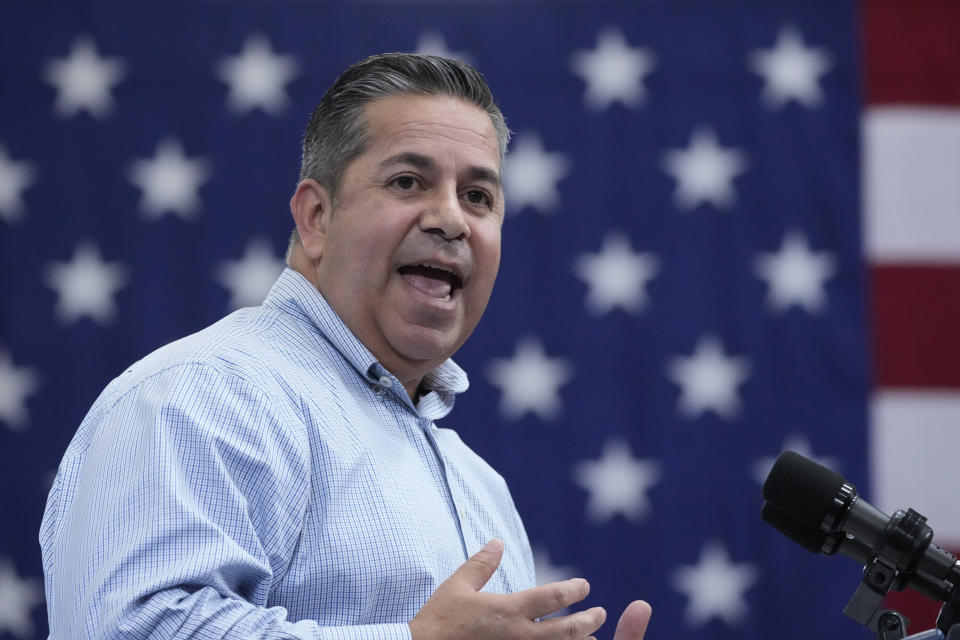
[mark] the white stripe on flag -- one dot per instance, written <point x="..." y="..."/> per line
<point x="913" y="457"/>
<point x="912" y="184"/>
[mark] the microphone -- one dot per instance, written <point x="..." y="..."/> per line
<point x="817" y="508"/>
<point x="814" y="540"/>
<point x="819" y="541"/>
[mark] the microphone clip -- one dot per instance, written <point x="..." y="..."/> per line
<point x="865" y="607"/>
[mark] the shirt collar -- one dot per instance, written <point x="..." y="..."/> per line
<point x="293" y="293"/>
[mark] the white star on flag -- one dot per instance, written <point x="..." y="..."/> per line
<point x="531" y="175"/>
<point x="432" y="43"/>
<point x="715" y="587"/>
<point x="617" y="483"/>
<point x="83" y="80"/>
<point x="790" y="71"/>
<point x="18" y="597"/>
<point x="708" y="380"/>
<point x="16" y="383"/>
<point x="86" y="285"/>
<point x="704" y="171"/>
<point x="250" y="278"/>
<point x="795" y="275"/>
<point x="547" y="572"/>
<point x="257" y="77"/>
<point x="530" y="381"/>
<point x="617" y="276"/>
<point x="798" y="444"/>
<point x="14" y="178"/>
<point x="169" y="181"/>
<point x="614" y="71"/>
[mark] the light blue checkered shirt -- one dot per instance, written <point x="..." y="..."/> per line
<point x="267" y="478"/>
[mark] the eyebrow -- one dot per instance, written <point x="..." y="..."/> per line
<point x="484" y="174"/>
<point x="426" y="163"/>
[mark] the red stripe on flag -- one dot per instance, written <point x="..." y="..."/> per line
<point x="921" y="610"/>
<point x="912" y="52"/>
<point x="916" y="330"/>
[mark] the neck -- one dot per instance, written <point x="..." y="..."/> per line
<point x="300" y="263"/>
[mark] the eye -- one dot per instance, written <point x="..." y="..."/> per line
<point x="478" y="196"/>
<point x="404" y="183"/>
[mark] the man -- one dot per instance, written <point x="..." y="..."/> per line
<point x="279" y="474"/>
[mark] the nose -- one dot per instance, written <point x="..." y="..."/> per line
<point x="445" y="217"/>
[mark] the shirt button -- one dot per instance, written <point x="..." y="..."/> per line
<point x="385" y="382"/>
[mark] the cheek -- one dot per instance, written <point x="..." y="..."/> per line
<point x="487" y="256"/>
<point x="365" y="250"/>
<point x="488" y="246"/>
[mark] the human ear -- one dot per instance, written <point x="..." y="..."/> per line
<point x="311" y="206"/>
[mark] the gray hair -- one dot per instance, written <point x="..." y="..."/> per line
<point x="337" y="131"/>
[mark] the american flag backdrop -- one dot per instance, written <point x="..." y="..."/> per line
<point x="733" y="228"/>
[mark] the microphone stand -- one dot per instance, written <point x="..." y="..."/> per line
<point x="894" y="566"/>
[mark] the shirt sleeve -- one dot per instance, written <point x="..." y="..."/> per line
<point x="177" y="515"/>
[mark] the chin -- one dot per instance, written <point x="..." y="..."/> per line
<point x="422" y="343"/>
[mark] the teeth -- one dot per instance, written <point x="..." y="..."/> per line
<point x="431" y="266"/>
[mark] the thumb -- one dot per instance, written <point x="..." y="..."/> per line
<point x="478" y="569"/>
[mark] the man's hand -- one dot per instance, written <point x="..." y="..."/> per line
<point x="457" y="610"/>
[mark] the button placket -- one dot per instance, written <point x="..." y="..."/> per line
<point x="454" y="495"/>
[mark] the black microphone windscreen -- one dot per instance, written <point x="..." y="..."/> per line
<point x="801" y="488"/>
<point x="807" y="537"/>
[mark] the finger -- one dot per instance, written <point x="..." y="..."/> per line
<point x="478" y="569"/>
<point x="633" y="623"/>
<point x="548" y="598"/>
<point x="572" y="627"/>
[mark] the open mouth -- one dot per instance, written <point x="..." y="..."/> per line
<point x="438" y="282"/>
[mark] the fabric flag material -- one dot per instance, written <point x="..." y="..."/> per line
<point x="733" y="229"/>
<point x="911" y="183"/>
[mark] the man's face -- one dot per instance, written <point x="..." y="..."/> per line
<point x="411" y="250"/>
